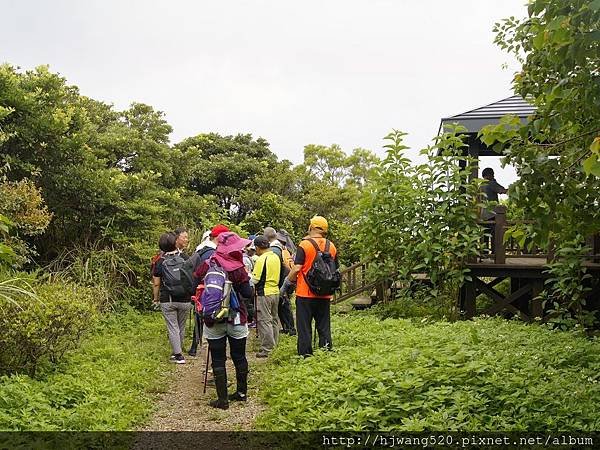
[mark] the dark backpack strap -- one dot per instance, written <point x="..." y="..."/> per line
<point x="327" y="245"/>
<point x="314" y="244"/>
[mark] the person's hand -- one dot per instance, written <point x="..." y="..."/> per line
<point x="287" y="288"/>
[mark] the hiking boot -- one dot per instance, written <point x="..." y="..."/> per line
<point x="241" y="377"/>
<point x="219" y="404"/>
<point x="236" y="396"/>
<point x="178" y="359"/>
<point x="222" y="402"/>
<point x="192" y="352"/>
<point x="262" y="355"/>
<point x="292" y="332"/>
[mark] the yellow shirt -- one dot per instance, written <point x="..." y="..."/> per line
<point x="265" y="275"/>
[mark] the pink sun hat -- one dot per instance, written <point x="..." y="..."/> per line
<point x="229" y="251"/>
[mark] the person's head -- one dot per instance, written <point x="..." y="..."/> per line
<point x="318" y="226"/>
<point x="231" y="246"/>
<point x="167" y="242"/>
<point x="251" y="250"/>
<point x="488" y="173"/>
<point x="182" y="238"/>
<point x="270" y="233"/>
<point x="216" y="231"/>
<point x="262" y="244"/>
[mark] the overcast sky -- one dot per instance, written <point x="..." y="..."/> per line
<point x="292" y="72"/>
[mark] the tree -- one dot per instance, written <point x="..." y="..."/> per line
<point x="224" y="166"/>
<point x="557" y="153"/>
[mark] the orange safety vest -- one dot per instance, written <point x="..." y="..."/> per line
<point x="302" y="289"/>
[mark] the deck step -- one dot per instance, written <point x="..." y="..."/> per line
<point x="361" y="302"/>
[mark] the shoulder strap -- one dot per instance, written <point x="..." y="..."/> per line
<point x="327" y="245"/>
<point x="314" y="244"/>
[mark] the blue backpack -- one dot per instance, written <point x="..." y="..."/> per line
<point x="219" y="300"/>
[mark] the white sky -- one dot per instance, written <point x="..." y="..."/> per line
<point x="295" y="73"/>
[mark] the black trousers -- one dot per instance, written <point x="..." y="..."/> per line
<point x="308" y="309"/>
<point x="284" y="311"/>
<point x="237" y="351"/>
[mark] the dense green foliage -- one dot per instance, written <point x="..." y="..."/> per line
<point x="483" y="375"/>
<point x="557" y="153"/>
<point x="104" y="385"/>
<point x="422" y="218"/>
<point x="45" y="326"/>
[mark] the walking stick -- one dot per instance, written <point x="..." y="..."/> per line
<point x="255" y="312"/>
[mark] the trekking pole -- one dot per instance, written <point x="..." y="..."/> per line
<point x="255" y="312"/>
<point x="206" y="369"/>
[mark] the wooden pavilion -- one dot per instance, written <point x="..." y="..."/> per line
<point x="524" y="268"/>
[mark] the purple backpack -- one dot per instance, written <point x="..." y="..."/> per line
<point x="215" y="298"/>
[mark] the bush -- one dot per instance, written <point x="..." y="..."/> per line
<point x="482" y="375"/>
<point x="103" y="386"/>
<point x="42" y="329"/>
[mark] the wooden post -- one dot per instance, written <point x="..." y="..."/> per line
<point x="536" y="303"/>
<point x="470" y="299"/>
<point x="379" y="290"/>
<point x="499" y="225"/>
<point x="551" y="251"/>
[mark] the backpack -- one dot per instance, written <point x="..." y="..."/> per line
<point x="219" y="300"/>
<point x="177" y="278"/>
<point x="285" y="270"/>
<point x="192" y="263"/>
<point x="323" y="278"/>
<point x="154" y="260"/>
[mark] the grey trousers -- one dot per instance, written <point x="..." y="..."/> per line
<point x="176" y="314"/>
<point x="267" y="321"/>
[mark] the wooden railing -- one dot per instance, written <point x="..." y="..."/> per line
<point x="498" y="251"/>
<point x="356" y="282"/>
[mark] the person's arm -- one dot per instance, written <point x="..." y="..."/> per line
<point x="498" y="188"/>
<point x="289" y="284"/>
<point x="298" y="263"/>
<point x="293" y="275"/>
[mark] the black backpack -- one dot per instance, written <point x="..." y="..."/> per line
<point x="177" y="276"/>
<point x="323" y="278"/>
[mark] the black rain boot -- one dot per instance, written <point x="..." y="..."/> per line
<point x="194" y="348"/>
<point x="241" y="375"/>
<point x="220" y="375"/>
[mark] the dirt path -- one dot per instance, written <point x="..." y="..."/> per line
<point x="185" y="408"/>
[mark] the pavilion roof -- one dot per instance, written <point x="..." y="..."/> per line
<point x="476" y="119"/>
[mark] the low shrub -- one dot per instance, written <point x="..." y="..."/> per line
<point x="481" y="375"/>
<point x="105" y="385"/>
<point x="41" y="329"/>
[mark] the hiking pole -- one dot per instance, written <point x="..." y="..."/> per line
<point x="206" y="369"/>
<point x="255" y="311"/>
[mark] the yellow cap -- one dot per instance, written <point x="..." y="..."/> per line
<point x="319" y="222"/>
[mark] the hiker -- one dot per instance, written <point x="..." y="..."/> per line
<point x="271" y="235"/>
<point x="204" y="251"/>
<point x="284" y="309"/>
<point x="182" y="241"/>
<point x="249" y="263"/>
<point x="265" y="278"/>
<point x="228" y="257"/>
<point x="174" y="301"/>
<point x="314" y="290"/>
<point x="491" y="188"/>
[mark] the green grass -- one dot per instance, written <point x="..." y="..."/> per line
<point x="396" y="374"/>
<point x="106" y="384"/>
